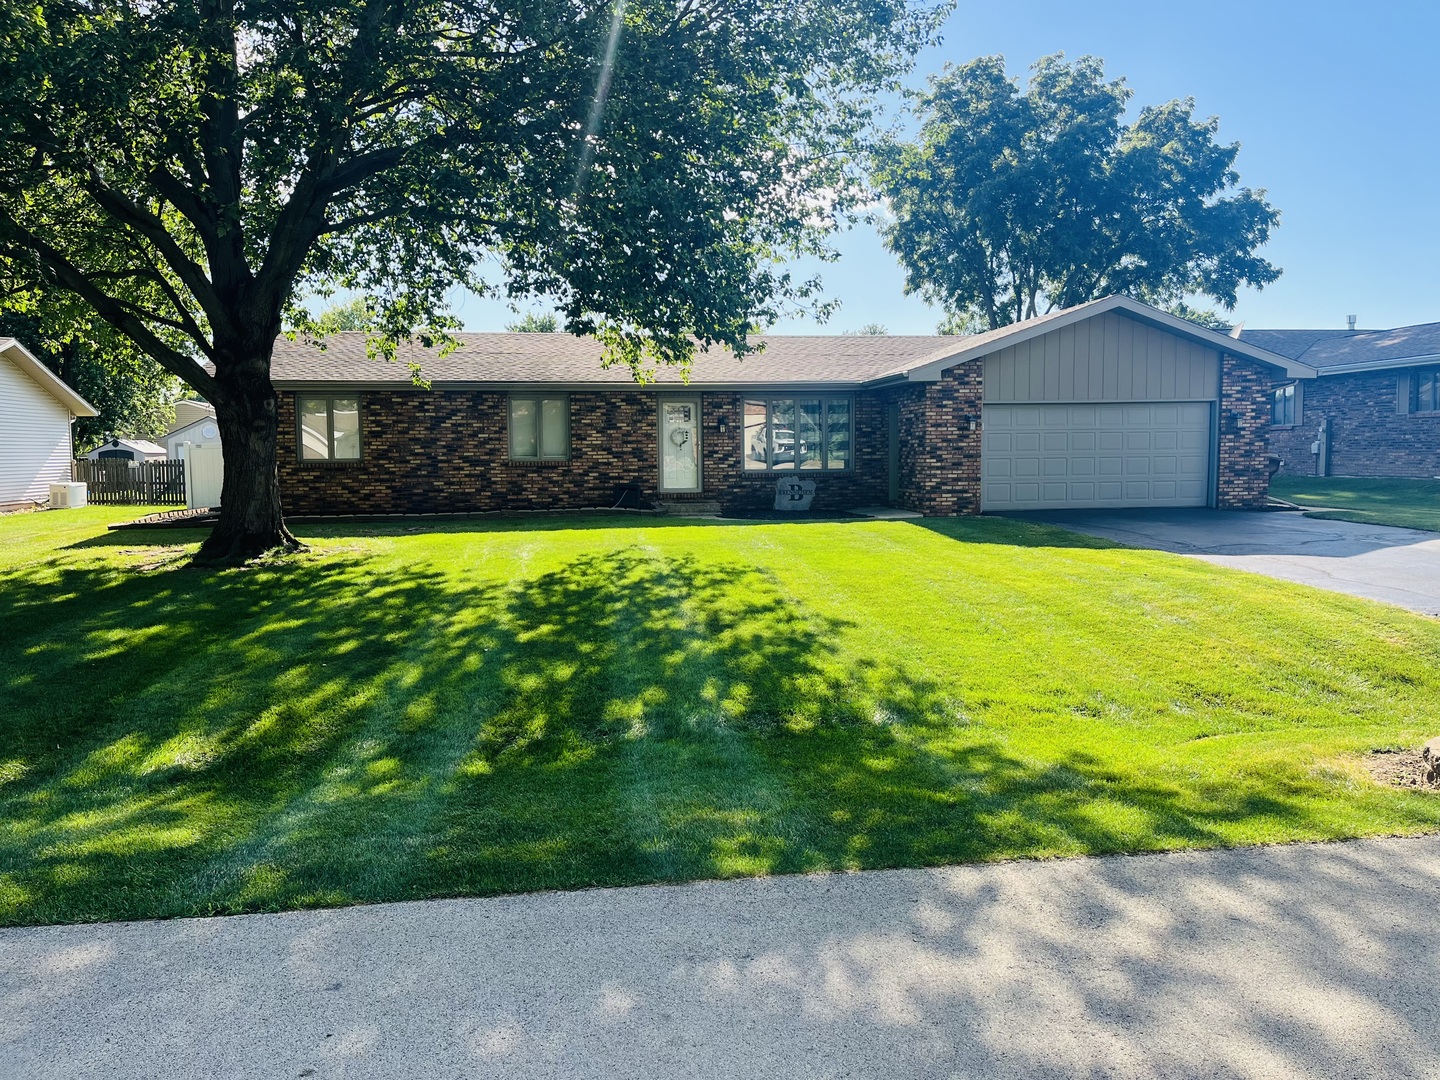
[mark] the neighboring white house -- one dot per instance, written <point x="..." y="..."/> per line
<point x="36" y="409"/>
<point x="118" y="449"/>
<point x="201" y="432"/>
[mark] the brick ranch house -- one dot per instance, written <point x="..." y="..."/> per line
<point x="1112" y="403"/>
<point x="1373" y="408"/>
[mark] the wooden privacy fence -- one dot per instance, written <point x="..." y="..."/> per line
<point x="150" y="483"/>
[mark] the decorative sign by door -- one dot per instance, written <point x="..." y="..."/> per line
<point x="794" y="495"/>
<point x="680" y="445"/>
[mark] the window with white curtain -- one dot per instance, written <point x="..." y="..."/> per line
<point x="539" y="427"/>
<point x="329" y="429"/>
<point x="1282" y="405"/>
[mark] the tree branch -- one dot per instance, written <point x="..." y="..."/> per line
<point x="71" y="277"/>
<point x="153" y="229"/>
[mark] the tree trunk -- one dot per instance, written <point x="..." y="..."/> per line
<point x="251" y="522"/>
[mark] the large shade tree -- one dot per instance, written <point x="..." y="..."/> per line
<point x="1012" y="201"/>
<point x="191" y="168"/>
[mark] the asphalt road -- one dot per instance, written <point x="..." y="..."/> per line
<point x="1398" y="566"/>
<point x="1299" y="961"/>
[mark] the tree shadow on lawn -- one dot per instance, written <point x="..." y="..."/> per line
<point x="1005" y="531"/>
<point x="321" y="731"/>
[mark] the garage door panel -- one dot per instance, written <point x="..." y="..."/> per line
<point x="1127" y="454"/>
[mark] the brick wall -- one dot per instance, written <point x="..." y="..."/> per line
<point x="939" y="453"/>
<point x="444" y="451"/>
<point x="1244" y="478"/>
<point x="1367" y="436"/>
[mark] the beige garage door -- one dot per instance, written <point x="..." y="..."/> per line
<point x="1046" y="457"/>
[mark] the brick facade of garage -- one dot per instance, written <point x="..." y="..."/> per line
<point x="1243" y="481"/>
<point x="1369" y="435"/>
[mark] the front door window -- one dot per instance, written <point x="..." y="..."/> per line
<point x="680" y="444"/>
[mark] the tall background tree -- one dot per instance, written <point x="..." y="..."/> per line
<point x="189" y="168"/>
<point x="1013" y="201"/>
<point x="535" y="323"/>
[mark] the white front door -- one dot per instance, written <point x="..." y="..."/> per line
<point x="680" y="444"/>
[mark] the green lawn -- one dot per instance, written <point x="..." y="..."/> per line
<point x="493" y="706"/>
<point x="1413" y="504"/>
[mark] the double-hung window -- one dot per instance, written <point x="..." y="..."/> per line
<point x="539" y="428"/>
<point x="798" y="432"/>
<point x="1425" y="390"/>
<point x="329" y="429"/>
<point x="1282" y="405"/>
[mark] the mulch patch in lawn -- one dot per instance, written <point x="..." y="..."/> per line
<point x="1402" y="768"/>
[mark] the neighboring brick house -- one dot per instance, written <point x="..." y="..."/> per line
<point x="1373" y="408"/>
<point x="1111" y="403"/>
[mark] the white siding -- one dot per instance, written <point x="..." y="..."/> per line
<point x="1106" y="358"/>
<point x="34" y="438"/>
<point x="191" y="433"/>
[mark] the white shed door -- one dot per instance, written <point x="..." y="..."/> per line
<point x="1046" y="457"/>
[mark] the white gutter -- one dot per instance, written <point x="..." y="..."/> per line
<point x="1380" y="365"/>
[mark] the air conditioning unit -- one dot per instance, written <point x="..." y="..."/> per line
<point x="68" y="496"/>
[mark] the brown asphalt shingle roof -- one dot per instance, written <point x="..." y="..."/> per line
<point x="564" y="359"/>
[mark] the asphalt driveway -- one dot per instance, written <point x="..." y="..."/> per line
<point x="1297" y="961"/>
<point x="1399" y="566"/>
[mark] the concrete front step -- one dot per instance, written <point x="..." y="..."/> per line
<point x="689" y="507"/>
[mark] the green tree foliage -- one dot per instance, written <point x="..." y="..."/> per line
<point x="873" y="329"/>
<point x="134" y="395"/>
<point x="1014" y="201"/>
<point x="353" y="314"/>
<point x="1206" y="317"/>
<point x="535" y="324"/>
<point x="190" y="167"/>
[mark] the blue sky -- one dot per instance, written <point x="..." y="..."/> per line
<point x="1337" y="110"/>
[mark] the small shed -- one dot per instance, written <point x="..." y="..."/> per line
<point x="36" y="410"/>
<point x="136" y="450"/>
